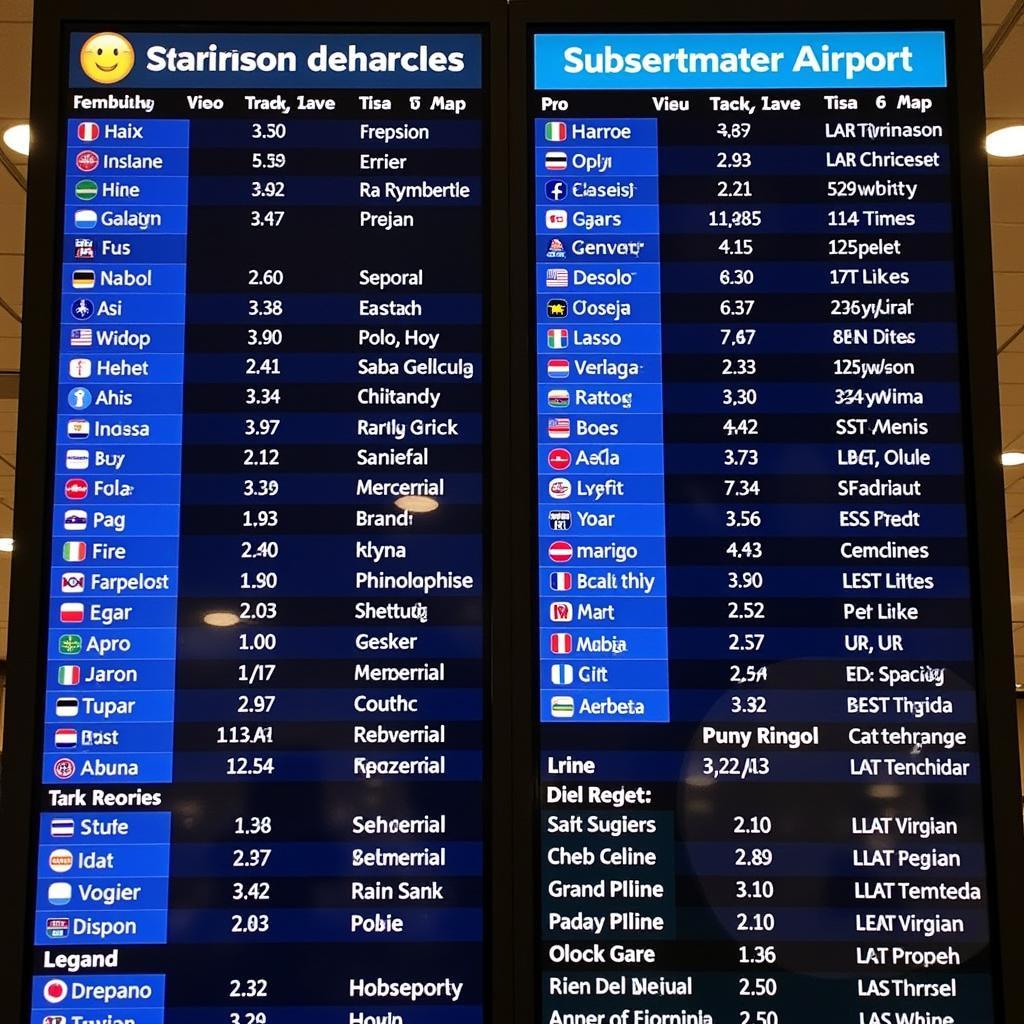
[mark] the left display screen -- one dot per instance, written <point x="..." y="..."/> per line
<point x="263" y="746"/>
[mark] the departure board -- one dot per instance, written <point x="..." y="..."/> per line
<point x="261" y="792"/>
<point x="761" y="794"/>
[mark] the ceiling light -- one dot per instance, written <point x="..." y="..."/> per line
<point x="6" y="543"/>
<point x="416" y="503"/>
<point x="1006" y="141"/>
<point x="221" y="619"/>
<point x="17" y="137"/>
<point x="1012" y="458"/>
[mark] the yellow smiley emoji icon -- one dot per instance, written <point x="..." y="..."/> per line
<point x="107" y="57"/>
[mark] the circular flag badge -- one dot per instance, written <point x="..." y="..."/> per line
<point x="64" y="768"/>
<point x="559" y="487"/>
<point x="87" y="160"/>
<point x="560" y="551"/>
<point x="559" y="459"/>
<point x="61" y="861"/>
<point x="55" y="990"/>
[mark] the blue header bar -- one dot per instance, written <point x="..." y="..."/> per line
<point x="741" y="60"/>
<point x="178" y="60"/>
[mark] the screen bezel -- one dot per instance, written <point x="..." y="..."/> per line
<point x="22" y="787"/>
<point x="980" y="400"/>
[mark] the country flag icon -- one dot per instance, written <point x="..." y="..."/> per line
<point x="559" y="520"/>
<point x="81" y="337"/>
<point x="86" y="220"/>
<point x="55" y="990"/>
<point x="558" y="398"/>
<point x="76" y="489"/>
<point x="79" y="398"/>
<point x="561" y="581"/>
<point x="561" y="675"/>
<point x="554" y="220"/>
<point x="559" y="428"/>
<point x="555" y="131"/>
<point x="83" y="279"/>
<point x="55" y="1018"/>
<point x="558" y="369"/>
<point x="86" y="190"/>
<point x="556" y="160"/>
<point x="559" y="459"/>
<point x="76" y="458"/>
<point x="66" y="707"/>
<point x="558" y="309"/>
<point x="82" y="309"/>
<point x="59" y="894"/>
<point x="79" y="428"/>
<point x="64" y="768"/>
<point x="72" y="582"/>
<point x="62" y="828"/>
<point x="556" y="249"/>
<point x="88" y="131"/>
<point x="75" y="519"/>
<point x="69" y="643"/>
<point x="80" y="368"/>
<point x="563" y="707"/>
<point x="72" y="611"/>
<point x="74" y="551"/>
<point x="560" y="611"/>
<point x="560" y="551"/>
<point x="87" y="160"/>
<point x="556" y="277"/>
<point x="85" y="249"/>
<point x="558" y="338"/>
<point x="65" y="739"/>
<point x="69" y="675"/>
<point x="561" y="643"/>
<point x="559" y="488"/>
<point x="58" y="927"/>
<point x="60" y="862"/>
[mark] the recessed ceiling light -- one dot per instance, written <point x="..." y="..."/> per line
<point x="1006" y="141"/>
<point x="416" y="503"/>
<point x="1012" y="458"/>
<point x="221" y="619"/>
<point x="6" y="543"/>
<point x="17" y="138"/>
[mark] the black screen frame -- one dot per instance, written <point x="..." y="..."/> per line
<point x="26" y="664"/>
<point x="961" y="19"/>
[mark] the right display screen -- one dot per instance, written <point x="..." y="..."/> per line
<point x="761" y="783"/>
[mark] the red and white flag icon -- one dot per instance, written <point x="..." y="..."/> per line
<point x="560" y="611"/>
<point x="555" y="160"/>
<point x="55" y="991"/>
<point x="559" y="459"/>
<point x="72" y="611"/>
<point x="560" y="551"/>
<point x="561" y="643"/>
<point x="88" y="131"/>
<point x="76" y="489"/>
<point x="559" y="428"/>
<point x="87" y="160"/>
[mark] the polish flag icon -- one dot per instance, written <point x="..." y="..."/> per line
<point x="72" y="611"/>
<point x="559" y="459"/>
<point x="560" y="551"/>
<point x="88" y="131"/>
<point x="561" y="643"/>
